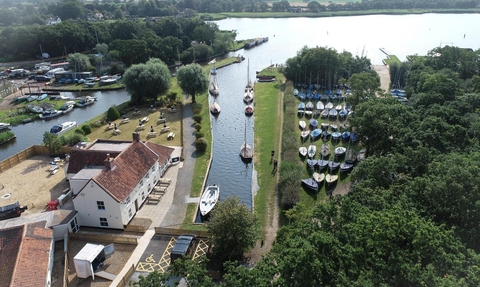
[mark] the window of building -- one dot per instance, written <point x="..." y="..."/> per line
<point x="141" y="182"/>
<point x="103" y="222"/>
<point x="127" y="200"/>
<point x="143" y="195"/>
<point x="147" y="175"/>
<point x="101" y="205"/>
<point x="129" y="212"/>
<point x="153" y="168"/>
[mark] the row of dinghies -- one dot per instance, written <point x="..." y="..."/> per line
<point x="49" y="113"/>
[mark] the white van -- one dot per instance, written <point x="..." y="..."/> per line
<point x="51" y="74"/>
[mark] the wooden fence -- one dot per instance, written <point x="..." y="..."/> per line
<point x="177" y="232"/>
<point x="105" y="238"/>
<point x="26" y="154"/>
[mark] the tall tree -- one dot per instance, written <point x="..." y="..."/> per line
<point x="233" y="229"/>
<point x="78" y="62"/>
<point x="193" y="80"/>
<point x="147" y="81"/>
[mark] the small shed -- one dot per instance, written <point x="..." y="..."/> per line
<point x="90" y="258"/>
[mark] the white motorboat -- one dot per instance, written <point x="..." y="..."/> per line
<point x="63" y="128"/>
<point x="50" y="114"/>
<point x="215" y="108"/>
<point x="66" y="108"/>
<point x="4" y="126"/>
<point x="209" y="199"/>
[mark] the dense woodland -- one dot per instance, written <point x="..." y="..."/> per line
<point x="30" y="12"/>
<point x="411" y="217"/>
<point x="131" y="42"/>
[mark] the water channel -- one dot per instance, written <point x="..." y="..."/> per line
<point x="401" y="35"/>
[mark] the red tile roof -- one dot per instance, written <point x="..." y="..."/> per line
<point x="164" y="152"/>
<point x="130" y="166"/>
<point x="10" y="241"/>
<point x="80" y="158"/>
<point x="33" y="257"/>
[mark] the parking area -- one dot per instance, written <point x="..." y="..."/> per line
<point x="156" y="256"/>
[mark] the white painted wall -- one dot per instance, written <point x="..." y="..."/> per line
<point x="76" y="184"/>
<point x="88" y="213"/>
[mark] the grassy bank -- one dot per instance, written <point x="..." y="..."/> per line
<point x="220" y="16"/>
<point x="268" y="116"/>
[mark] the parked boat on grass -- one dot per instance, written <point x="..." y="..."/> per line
<point x="303" y="151"/>
<point x="315" y="133"/>
<point x="312" y="149"/>
<point x="311" y="184"/>
<point x="209" y="199"/>
<point x="318" y="177"/>
<point x="331" y="178"/>
<point x="339" y="151"/>
<point x="302" y="124"/>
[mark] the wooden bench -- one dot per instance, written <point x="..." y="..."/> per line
<point x="153" y="197"/>
<point x="137" y="113"/>
<point x="171" y="136"/>
<point x="160" y="189"/>
<point x="144" y="120"/>
<point x="124" y="121"/>
<point x="140" y="128"/>
<point x="54" y="171"/>
<point x="165" y="180"/>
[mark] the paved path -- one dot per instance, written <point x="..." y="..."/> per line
<point x="176" y="214"/>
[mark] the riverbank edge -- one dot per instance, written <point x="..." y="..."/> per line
<point x="259" y="15"/>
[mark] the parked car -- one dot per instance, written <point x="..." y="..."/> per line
<point x="184" y="246"/>
<point x="42" y="78"/>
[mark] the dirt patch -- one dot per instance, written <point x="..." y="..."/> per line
<point x="34" y="187"/>
<point x="112" y="265"/>
<point x="384" y="73"/>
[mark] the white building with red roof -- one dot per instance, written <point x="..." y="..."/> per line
<point x="110" y="180"/>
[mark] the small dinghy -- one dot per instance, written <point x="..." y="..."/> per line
<point x="312" y="149"/>
<point x="339" y="151"/>
<point x="332" y="165"/>
<point x="330" y="178"/>
<point x="302" y="150"/>
<point x="302" y="124"/>
<point x="312" y="163"/>
<point x="322" y="164"/>
<point x="318" y="177"/>
<point x="325" y="150"/>
<point x="310" y="183"/>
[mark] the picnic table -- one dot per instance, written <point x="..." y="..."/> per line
<point x="161" y="121"/>
<point x="144" y="120"/>
<point x="153" y="197"/>
<point x="140" y="128"/>
<point x="116" y="132"/>
<point x="124" y="121"/>
<point x="165" y="129"/>
<point x="171" y="136"/>
<point x="152" y="134"/>
<point x="137" y="113"/>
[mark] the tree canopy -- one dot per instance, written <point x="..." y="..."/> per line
<point x="232" y="228"/>
<point x="193" y="80"/>
<point x="147" y="81"/>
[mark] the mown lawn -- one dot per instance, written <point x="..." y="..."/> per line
<point x="268" y="117"/>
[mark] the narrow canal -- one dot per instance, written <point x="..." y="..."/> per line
<point x="227" y="169"/>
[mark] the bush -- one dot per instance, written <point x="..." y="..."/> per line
<point x="198" y="127"/>
<point x="201" y="144"/>
<point x="87" y="129"/>
<point x="197" y="111"/>
<point x="197" y="118"/>
<point x="79" y="131"/>
<point x="113" y="113"/>
<point x="290" y="196"/>
<point x="197" y="108"/>
<point x="75" y="138"/>
<point x="199" y="135"/>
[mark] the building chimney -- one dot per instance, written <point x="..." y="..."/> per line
<point x="136" y="136"/>
<point x="109" y="162"/>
